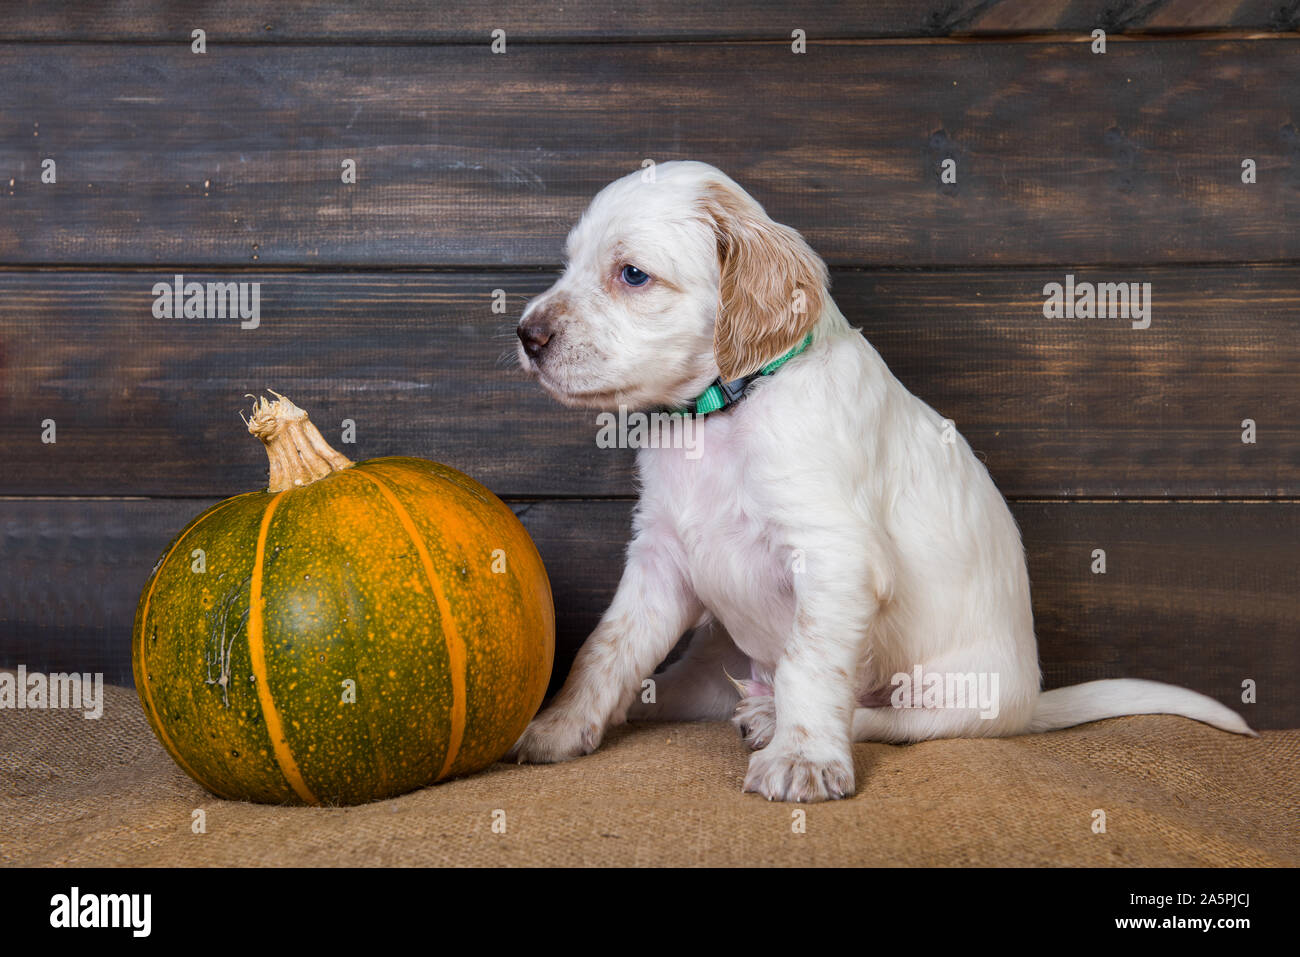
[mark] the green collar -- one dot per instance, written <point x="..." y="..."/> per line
<point x="722" y="394"/>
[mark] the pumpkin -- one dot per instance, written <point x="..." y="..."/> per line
<point x="351" y="633"/>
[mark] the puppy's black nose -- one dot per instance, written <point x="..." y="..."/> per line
<point x="535" y="333"/>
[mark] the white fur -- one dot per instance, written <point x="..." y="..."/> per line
<point x="832" y="534"/>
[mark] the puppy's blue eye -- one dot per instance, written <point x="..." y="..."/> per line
<point x="634" y="277"/>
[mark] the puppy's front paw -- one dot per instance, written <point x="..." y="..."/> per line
<point x="556" y="735"/>
<point x="781" y="772"/>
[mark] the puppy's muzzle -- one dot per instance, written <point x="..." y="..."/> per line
<point x="535" y="332"/>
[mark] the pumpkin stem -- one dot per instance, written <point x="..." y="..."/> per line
<point x="298" y="453"/>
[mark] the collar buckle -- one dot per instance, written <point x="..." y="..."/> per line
<point x="721" y="394"/>
<point x="733" y="391"/>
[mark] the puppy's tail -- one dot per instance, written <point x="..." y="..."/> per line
<point x="1093" y="700"/>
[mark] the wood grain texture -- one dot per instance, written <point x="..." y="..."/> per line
<point x="465" y="158"/>
<point x="1202" y="595"/>
<point x="603" y="20"/>
<point x="422" y="366"/>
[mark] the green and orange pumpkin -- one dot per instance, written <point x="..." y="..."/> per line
<point x="351" y="633"/>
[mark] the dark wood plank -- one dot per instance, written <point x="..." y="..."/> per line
<point x="1078" y="407"/>
<point x="470" y="20"/>
<point x="466" y="158"/>
<point x="1056" y="407"/>
<point x="1203" y="595"/>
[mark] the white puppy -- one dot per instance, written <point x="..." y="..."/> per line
<point x="832" y="540"/>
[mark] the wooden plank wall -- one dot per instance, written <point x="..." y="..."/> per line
<point x="376" y="297"/>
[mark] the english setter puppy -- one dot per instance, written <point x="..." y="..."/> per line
<point x="832" y="540"/>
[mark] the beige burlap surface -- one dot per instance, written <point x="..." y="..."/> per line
<point x="1174" y="792"/>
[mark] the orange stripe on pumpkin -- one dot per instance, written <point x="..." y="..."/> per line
<point x="456" y="653"/>
<point x="257" y="652"/>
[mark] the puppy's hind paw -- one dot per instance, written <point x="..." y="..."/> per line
<point x="755" y="714"/>
<point x="755" y="719"/>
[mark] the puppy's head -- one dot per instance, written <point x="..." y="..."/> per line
<point x="669" y="282"/>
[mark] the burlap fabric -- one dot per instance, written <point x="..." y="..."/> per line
<point x="1174" y="792"/>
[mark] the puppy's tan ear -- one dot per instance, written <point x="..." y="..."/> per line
<point x="773" y="284"/>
